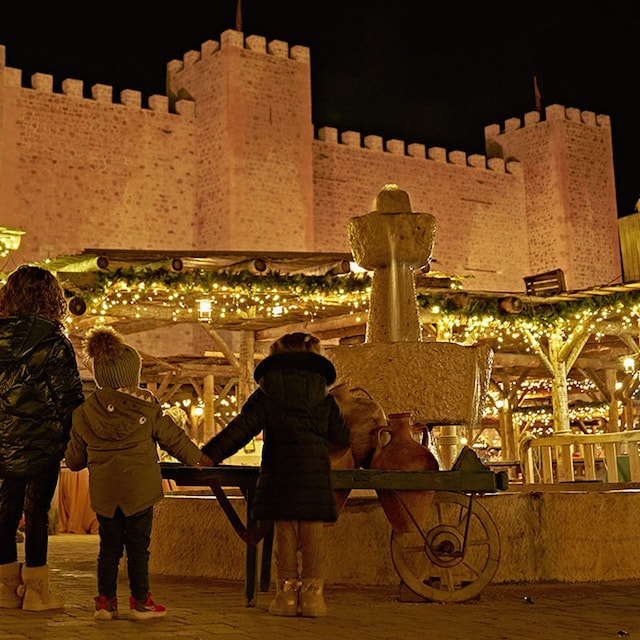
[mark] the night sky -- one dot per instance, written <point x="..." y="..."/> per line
<point x="398" y="69"/>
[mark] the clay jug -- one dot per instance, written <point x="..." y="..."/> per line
<point x="400" y="447"/>
<point x="364" y="416"/>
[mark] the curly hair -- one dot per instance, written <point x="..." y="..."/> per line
<point x="297" y="341"/>
<point x="33" y="290"/>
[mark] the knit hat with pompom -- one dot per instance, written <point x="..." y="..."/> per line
<point x="115" y="364"/>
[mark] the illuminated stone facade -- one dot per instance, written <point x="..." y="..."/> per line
<point x="230" y="160"/>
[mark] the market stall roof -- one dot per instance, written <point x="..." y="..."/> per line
<point x="257" y="262"/>
<point x="159" y="288"/>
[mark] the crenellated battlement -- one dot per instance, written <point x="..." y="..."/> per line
<point x="236" y="39"/>
<point x="375" y="143"/>
<point x="43" y="82"/>
<point x="552" y="112"/>
<point x="439" y="154"/>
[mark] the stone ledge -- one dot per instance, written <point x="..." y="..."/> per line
<point x="555" y="536"/>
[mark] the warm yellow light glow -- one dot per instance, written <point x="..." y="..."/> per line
<point x="9" y="240"/>
<point x="204" y="309"/>
<point x="629" y="364"/>
<point x="356" y="268"/>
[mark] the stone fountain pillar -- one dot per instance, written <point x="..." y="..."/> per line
<point x="392" y="241"/>
<point x="442" y="384"/>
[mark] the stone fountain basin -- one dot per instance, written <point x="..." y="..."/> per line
<point x="440" y="383"/>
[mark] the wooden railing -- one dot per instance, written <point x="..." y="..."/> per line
<point x="551" y="459"/>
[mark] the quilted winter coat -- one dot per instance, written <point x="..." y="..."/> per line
<point x="39" y="388"/>
<point x="116" y="435"/>
<point x="299" y="420"/>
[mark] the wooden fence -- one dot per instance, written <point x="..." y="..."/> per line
<point x="555" y="458"/>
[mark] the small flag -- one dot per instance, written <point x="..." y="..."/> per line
<point x="536" y="92"/>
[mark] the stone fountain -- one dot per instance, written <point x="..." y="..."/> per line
<point x="440" y="383"/>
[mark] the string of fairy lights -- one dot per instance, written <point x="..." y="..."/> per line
<point x="244" y="294"/>
<point x="220" y="296"/>
<point x="484" y="319"/>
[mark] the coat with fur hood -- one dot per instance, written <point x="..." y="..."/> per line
<point x="39" y="388"/>
<point x="300" y="420"/>
<point x="115" y="434"/>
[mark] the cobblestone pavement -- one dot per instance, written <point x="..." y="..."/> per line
<point x="207" y="608"/>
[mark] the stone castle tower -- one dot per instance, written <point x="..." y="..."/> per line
<point x="230" y="160"/>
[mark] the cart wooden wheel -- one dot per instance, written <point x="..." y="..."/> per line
<point x="456" y="554"/>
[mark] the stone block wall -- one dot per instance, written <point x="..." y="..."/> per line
<point x="569" y="189"/>
<point x="80" y="172"/>
<point x="254" y="124"/>
<point x="550" y="536"/>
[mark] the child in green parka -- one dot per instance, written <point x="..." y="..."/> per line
<point x="116" y="434"/>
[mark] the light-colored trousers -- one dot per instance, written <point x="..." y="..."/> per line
<point x="299" y="549"/>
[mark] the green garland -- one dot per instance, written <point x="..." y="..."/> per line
<point x="204" y="281"/>
<point x="201" y="280"/>
<point x="542" y="313"/>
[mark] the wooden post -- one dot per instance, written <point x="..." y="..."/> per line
<point x="209" y="425"/>
<point x="505" y="415"/>
<point x="246" y="384"/>
<point x="193" y="425"/>
<point x="611" y="380"/>
<point x="589" y="462"/>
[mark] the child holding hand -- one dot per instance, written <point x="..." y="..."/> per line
<point x="115" y="433"/>
<point x="300" y="420"/>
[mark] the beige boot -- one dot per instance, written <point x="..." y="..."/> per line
<point x="286" y="601"/>
<point x="312" y="603"/>
<point x="10" y="580"/>
<point x="35" y="590"/>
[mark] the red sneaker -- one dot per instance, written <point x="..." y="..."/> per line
<point x="145" y="610"/>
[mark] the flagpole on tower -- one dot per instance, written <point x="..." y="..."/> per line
<point x="536" y="93"/>
<point x="238" y="15"/>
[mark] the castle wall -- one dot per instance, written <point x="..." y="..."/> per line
<point x="88" y="172"/>
<point x="570" y="191"/>
<point x="479" y="206"/>
<point x="228" y="160"/>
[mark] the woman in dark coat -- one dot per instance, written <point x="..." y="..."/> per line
<point x="300" y="421"/>
<point x="39" y="388"/>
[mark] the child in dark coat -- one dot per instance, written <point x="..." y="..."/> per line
<point x="300" y="421"/>
<point x="40" y="387"/>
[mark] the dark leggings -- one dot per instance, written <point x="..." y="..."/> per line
<point x="33" y="497"/>
<point x="121" y="532"/>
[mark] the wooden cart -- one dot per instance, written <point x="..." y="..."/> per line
<point x="451" y="559"/>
